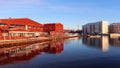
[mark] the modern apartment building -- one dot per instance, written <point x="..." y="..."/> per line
<point x="114" y="28"/>
<point x="95" y="28"/>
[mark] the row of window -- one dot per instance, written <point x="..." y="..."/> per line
<point x="19" y="34"/>
<point x="3" y="24"/>
<point x="22" y="34"/>
<point x="34" y="27"/>
<point x="49" y="28"/>
<point x="19" y="25"/>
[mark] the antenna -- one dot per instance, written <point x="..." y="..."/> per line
<point x="78" y="26"/>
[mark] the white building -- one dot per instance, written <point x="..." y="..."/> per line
<point x="100" y="27"/>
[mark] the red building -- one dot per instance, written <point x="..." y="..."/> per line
<point x="14" y="28"/>
<point x="54" y="28"/>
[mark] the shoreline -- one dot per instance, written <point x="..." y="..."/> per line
<point x="10" y="43"/>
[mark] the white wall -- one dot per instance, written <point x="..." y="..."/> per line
<point x="104" y="27"/>
<point x="100" y="27"/>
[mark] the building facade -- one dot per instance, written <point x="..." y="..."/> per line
<point x="114" y="28"/>
<point x="18" y="28"/>
<point x="54" y="28"/>
<point x="95" y="28"/>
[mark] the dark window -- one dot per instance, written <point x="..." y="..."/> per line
<point x="3" y="24"/>
<point x="19" y="25"/>
<point x="12" y="24"/>
<point x="29" y="26"/>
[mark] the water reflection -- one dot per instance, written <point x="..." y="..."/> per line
<point x="114" y="42"/>
<point x="24" y="53"/>
<point x="75" y="54"/>
<point x="101" y="43"/>
<point x="55" y="47"/>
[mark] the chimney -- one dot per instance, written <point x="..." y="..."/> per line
<point x="9" y="17"/>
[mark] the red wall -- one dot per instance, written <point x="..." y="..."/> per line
<point x="49" y="27"/>
<point x="35" y="26"/>
<point x="54" y="29"/>
<point x="57" y="27"/>
<point x="11" y="24"/>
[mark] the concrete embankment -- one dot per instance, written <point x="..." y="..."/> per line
<point x="95" y="36"/>
<point x="9" y="43"/>
<point x="114" y="35"/>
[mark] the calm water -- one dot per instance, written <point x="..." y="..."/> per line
<point x="71" y="53"/>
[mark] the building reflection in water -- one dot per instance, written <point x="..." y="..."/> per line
<point x="101" y="43"/>
<point x="55" y="47"/>
<point x="114" y="42"/>
<point x="24" y="53"/>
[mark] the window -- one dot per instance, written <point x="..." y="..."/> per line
<point x="3" y="24"/>
<point x="12" y="24"/>
<point x="38" y="27"/>
<point x="17" y="25"/>
<point x="29" y="26"/>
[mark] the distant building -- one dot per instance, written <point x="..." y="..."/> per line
<point x="54" y="28"/>
<point x="17" y="28"/>
<point x="95" y="28"/>
<point x="114" y="28"/>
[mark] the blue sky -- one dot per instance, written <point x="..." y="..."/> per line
<point x="69" y="12"/>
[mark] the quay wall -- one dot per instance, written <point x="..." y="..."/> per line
<point x="9" y="43"/>
<point x="114" y="35"/>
